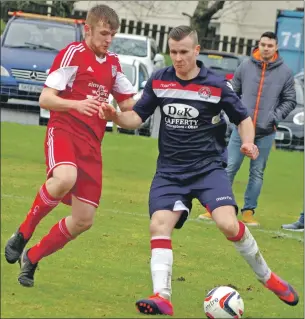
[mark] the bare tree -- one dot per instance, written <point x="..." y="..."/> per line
<point x="142" y="9"/>
<point x="202" y="17"/>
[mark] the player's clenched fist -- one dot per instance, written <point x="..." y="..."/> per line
<point x="88" y="107"/>
<point x="250" y="150"/>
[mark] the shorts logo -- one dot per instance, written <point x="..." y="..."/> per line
<point x="224" y="198"/>
<point x="205" y="92"/>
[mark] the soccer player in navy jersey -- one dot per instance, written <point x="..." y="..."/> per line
<point x="191" y="163"/>
<point x="82" y="76"/>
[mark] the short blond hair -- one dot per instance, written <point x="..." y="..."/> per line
<point x="103" y="13"/>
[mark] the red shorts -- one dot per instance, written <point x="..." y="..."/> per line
<point x="63" y="148"/>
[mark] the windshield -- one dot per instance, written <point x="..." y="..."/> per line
<point x="126" y="46"/>
<point x="215" y="61"/>
<point x="39" y="36"/>
<point x="130" y="72"/>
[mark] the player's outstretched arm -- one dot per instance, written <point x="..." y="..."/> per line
<point x="50" y="100"/>
<point x="127" y="105"/>
<point x="246" y="130"/>
<point x="247" y="134"/>
<point x="128" y="120"/>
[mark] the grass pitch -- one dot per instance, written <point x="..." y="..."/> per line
<point x="104" y="271"/>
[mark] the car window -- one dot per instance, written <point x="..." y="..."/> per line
<point x="299" y="89"/>
<point x="26" y="34"/>
<point x="217" y="61"/>
<point x="143" y="74"/>
<point x="130" y="72"/>
<point x="126" y="46"/>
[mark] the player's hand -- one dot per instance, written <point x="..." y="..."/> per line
<point x="88" y="107"/>
<point x="250" y="150"/>
<point x="107" y="112"/>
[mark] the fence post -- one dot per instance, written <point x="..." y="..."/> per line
<point x="154" y="31"/>
<point x="233" y="45"/>
<point x="146" y="29"/>
<point x="161" y="38"/>
<point x="123" y="26"/>
<point x="130" y="27"/>
<point x="249" y="47"/>
<point x="225" y="42"/>
<point x="139" y="28"/>
<point x="241" y="46"/>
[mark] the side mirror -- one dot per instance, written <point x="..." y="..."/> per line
<point x="159" y="58"/>
<point x="142" y="85"/>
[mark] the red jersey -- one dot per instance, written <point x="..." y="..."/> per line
<point x="79" y="74"/>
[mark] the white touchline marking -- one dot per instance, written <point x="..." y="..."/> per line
<point x="115" y="211"/>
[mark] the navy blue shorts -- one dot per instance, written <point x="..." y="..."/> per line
<point x="175" y="193"/>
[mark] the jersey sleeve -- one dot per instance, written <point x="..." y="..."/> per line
<point x="64" y="68"/>
<point x="148" y="102"/>
<point x="122" y="88"/>
<point x="232" y="104"/>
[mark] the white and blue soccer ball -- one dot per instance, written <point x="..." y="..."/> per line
<point x="223" y="302"/>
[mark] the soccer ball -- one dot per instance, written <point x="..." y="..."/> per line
<point x="223" y="302"/>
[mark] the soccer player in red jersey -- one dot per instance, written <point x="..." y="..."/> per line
<point x="82" y="76"/>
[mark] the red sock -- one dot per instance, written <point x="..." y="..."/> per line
<point x="56" y="239"/>
<point x="42" y="205"/>
<point x="240" y="234"/>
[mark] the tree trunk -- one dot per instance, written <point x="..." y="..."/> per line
<point x="202" y="17"/>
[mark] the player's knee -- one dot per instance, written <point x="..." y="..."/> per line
<point x="226" y="221"/>
<point x="66" y="180"/>
<point x="66" y="183"/>
<point x="229" y="228"/>
<point x="159" y="226"/>
<point x="83" y="225"/>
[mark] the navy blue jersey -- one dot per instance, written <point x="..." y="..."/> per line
<point x="192" y="128"/>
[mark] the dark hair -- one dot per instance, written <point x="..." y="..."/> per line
<point x="270" y="35"/>
<point x="103" y="13"/>
<point x="181" y="32"/>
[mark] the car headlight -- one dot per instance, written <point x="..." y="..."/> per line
<point x="298" y="119"/>
<point x="4" y="71"/>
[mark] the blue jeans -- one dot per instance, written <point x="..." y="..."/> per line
<point x="257" y="167"/>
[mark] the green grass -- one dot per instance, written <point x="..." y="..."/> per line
<point x="168" y="60"/>
<point x="105" y="270"/>
<point x="2" y="26"/>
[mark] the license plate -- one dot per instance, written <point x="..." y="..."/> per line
<point x="30" y="88"/>
<point x="44" y="113"/>
<point x="279" y="136"/>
